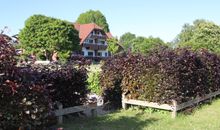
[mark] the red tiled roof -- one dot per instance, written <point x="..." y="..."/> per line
<point x="109" y="35"/>
<point x="85" y="30"/>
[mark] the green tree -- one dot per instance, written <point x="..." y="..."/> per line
<point x="144" y="45"/>
<point x="126" y="39"/>
<point x="202" y="34"/>
<point x="113" y="46"/>
<point x="92" y="16"/>
<point x="45" y="35"/>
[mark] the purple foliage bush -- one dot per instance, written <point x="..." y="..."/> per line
<point x="162" y="76"/>
<point x="28" y="94"/>
<point x="22" y="103"/>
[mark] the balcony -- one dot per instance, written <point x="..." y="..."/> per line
<point x="98" y="36"/>
<point x="95" y="46"/>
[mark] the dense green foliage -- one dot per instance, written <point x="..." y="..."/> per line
<point x="144" y="45"/>
<point x="44" y="35"/>
<point x="202" y="34"/>
<point x="113" y="46"/>
<point x="93" y="82"/>
<point x="92" y="16"/>
<point x="126" y="39"/>
<point x="141" y="45"/>
<point x="161" y="76"/>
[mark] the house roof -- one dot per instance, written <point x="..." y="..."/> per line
<point x="109" y="35"/>
<point x="86" y="29"/>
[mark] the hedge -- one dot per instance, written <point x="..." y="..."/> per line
<point x="22" y="103"/>
<point x="28" y="94"/>
<point x="65" y="83"/>
<point x="163" y="75"/>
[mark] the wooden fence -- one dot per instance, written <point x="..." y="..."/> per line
<point x="174" y="107"/>
<point x="60" y="112"/>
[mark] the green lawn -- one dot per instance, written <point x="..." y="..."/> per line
<point x="205" y="118"/>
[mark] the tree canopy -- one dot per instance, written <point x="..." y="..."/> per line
<point x="45" y="35"/>
<point x="139" y="44"/>
<point x="201" y="34"/>
<point x="144" y="45"/>
<point x="92" y="16"/>
<point x="126" y="39"/>
<point x="113" y="46"/>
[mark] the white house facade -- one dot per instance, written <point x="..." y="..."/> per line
<point x="93" y="40"/>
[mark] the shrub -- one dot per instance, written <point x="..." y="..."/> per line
<point x="110" y="79"/>
<point x="7" y="59"/>
<point x="163" y="75"/>
<point x="168" y="74"/>
<point x="94" y="83"/>
<point x="22" y="103"/>
<point x="66" y="84"/>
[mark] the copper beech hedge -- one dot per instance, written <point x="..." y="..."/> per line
<point x="28" y="94"/>
<point x="161" y="76"/>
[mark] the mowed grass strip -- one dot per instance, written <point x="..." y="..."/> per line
<point x="207" y="117"/>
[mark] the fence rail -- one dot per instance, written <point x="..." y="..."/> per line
<point x="174" y="107"/>
<point x="60" y="112"/>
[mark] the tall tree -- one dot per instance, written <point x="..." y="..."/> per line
<point x="92" y="16"/>
<point x="202" y="34"/>
<point x="43" y="34"/>
<point x="126" y="40"/>
<point x="144" y="45"/>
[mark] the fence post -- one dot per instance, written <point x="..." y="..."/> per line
<point x="174" y="111"/>
<point x="94" y="112"/>
<point x="60" y="118"/>
<point x="124" y="105"/>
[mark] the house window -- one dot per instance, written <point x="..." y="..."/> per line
<point x="106" y="54"/>
<point x="103" y="42"/>
<point x="87" y="48"/>
<point x="90" y="53"/>
<point x="86" y="41"/>
<point x="83" y="53"/>
<point x="90" y="41"/>
<point x="99" y="53"/>
<point x="96" y="40"/>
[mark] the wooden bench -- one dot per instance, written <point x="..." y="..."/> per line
<point x="65" y="111"/>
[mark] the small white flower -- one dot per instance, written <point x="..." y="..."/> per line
<point x="27" y="112"/>
<point x="35" y="111"/>
<point x="28" y="103"/>
<point x="33" y="116"/>
<point x="24" y="100"/>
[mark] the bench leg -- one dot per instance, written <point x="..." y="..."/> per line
<point x="60" y="119"/>
<point x="124" y="105"/>
<point x="94" y="112"/>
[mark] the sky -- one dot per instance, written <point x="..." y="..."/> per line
<point x="157" y="18"/>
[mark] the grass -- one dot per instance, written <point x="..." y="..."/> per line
<point x="207" y="117"/>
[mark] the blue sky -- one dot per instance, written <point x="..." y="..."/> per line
<point x="158" y="18"/>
